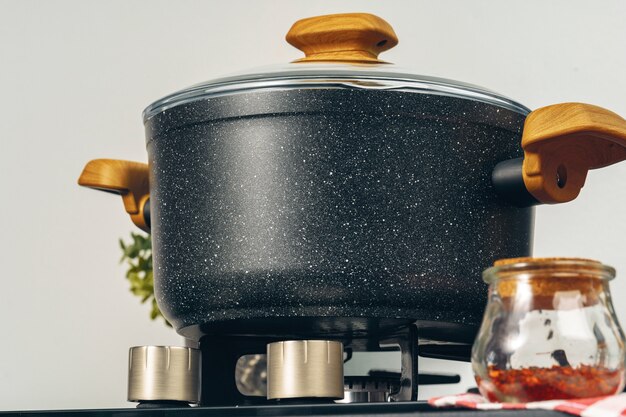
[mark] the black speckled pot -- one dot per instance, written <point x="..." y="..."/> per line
<point x="330" y="211"/>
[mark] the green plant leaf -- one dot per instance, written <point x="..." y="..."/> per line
<point x="138" y="257"/>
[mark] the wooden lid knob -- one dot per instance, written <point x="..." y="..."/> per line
<point x="350" y="37"/>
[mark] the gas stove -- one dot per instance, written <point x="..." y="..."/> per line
<point x="407" y="409"/>
<point x="252" y="375"/>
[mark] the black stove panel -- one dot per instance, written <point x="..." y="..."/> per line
<point x="408" y="409"/>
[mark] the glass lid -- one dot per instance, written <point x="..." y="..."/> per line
<point x="341" y="51"/>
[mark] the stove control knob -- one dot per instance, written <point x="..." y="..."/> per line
<point x="305" y="369"/>
<point x="164" y="373"/>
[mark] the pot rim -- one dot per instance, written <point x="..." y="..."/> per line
<point x="332" y="76"/>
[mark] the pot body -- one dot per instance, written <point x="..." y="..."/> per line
<point x="330" y="211"/>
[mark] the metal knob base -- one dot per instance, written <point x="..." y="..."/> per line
<point x="164" y="373"/>
<point x="305" y="369"/>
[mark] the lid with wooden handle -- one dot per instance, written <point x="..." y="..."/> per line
<point x="340" y="50"/>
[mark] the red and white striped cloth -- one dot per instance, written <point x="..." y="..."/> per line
<point x="610" y="406"/>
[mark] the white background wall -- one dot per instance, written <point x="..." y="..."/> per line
<point x="76" y="74"/>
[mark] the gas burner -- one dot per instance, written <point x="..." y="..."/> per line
<point x="164" y="375"/>
<point x="253" y="370"/>
<point x="369" y="389"/>
<point x="305" y="369"/>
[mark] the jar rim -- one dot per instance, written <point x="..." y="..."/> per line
<point x="570" y="267"/>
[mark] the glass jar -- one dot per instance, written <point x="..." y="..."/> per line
<point x="549" y="332"/>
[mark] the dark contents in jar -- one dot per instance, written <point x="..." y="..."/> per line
<point x="557" y="382"/>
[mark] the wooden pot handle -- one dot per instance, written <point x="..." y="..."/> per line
<point x="349" y="37"/>
<point x="563" y="142"/>
<point x="126" y="178"/>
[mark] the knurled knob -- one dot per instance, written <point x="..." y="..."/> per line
<point x="164" y="373"/>
<point x="305" y="369"/>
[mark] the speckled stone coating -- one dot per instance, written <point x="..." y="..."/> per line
<point x="271" y="206"/>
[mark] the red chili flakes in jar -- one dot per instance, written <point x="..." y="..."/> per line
<point x="557" y="382"/>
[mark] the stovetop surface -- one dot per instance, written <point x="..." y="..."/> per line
<point x="407" y="409"/>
